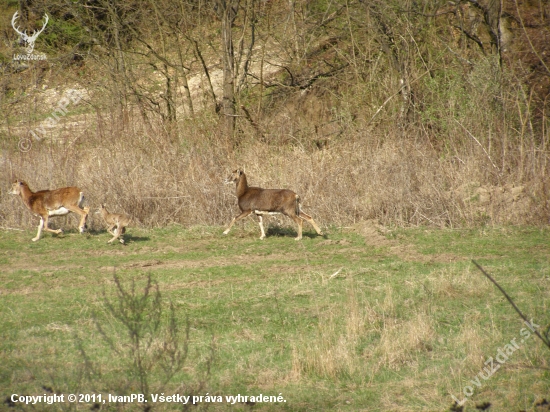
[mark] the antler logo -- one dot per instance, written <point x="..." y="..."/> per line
<point x="29" y="40"/>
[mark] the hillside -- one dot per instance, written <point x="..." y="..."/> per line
<point x="410" y="113"/>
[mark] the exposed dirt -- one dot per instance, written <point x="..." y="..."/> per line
<point x="220" y="261"/>
<point x="374" y="235"/>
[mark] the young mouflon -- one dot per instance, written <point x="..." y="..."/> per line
<point x="116" y="221"/>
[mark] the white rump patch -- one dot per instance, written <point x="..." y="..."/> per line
<point x="58" y="212"/>
<point x="261" y="212"/>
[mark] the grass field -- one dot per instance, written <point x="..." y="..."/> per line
<point x="365" y="319"/>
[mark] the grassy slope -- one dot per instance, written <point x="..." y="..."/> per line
<point x="407" y="321"/>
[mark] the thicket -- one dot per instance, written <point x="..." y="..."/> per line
<point x="408" y="112"/>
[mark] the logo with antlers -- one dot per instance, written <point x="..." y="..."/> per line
<point x="29" y="40"/>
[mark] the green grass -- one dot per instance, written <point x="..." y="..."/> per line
<point x="406" y="322"/>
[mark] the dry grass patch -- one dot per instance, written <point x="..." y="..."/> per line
<point x="333" y="351"/>
<point x="471" y="342"/>
<point x="401" y="341"/>
<point x="337" y="348"/>
<point x="457" y="282"/>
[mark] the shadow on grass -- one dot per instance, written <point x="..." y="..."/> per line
<point x="92" y="233"/>
<point x="278" y="231"/>
<point x="129" y="238"/>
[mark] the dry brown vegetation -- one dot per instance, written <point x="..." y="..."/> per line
<point x="410" y="113"/>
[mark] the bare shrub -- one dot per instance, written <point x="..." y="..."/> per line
<point x="144" y="345"/>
